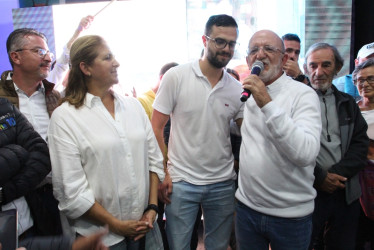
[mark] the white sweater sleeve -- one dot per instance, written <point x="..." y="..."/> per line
<point x="296" y="135"/>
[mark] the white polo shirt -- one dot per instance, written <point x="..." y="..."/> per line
<point x="199" y="148"/>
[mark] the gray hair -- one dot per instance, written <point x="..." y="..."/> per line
<point x="16" y="39"/>
<point x="339" y="61"/>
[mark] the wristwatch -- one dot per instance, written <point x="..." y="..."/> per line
<point x="300" y="78"/>
<point x="151" y="207"/>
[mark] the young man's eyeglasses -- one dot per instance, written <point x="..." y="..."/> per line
<point x="361" y="81"/>
<point x="41" y="52"/>
<point x="221" y="43"/>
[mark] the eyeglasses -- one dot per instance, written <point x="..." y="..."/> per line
<point x="41" y="52"/>
<point x="221" y="43"/>
<point x="360" y="81"/>
<point x="269" y="50"/>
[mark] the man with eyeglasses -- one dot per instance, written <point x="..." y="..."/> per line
<point x="280" y="142"/>
<point x="26" y="88"/>
<point x="201" y="98"/>
<point x="344" y="146"/>
<point x="345" y="83"/>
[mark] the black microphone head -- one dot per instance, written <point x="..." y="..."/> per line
<point x="257" y="67"/>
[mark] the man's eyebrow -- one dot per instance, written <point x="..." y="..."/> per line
<point x="326" y="62"/>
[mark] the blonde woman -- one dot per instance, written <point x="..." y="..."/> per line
<point x="106" y="163"/>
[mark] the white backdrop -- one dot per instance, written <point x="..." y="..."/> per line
<point x="143" y="35"/>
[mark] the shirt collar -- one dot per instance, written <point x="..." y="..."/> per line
<point x="90" y="99"/>
<point x="40" y="87"/>
<point x="329" y="92"/>
<point x="196" y="68"/>
<point x="277" y="84"/>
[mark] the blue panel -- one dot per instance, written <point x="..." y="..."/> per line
<point x="6" y="27"/>
<point x="39" y="18"/>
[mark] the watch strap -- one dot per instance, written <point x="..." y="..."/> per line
<point x="152" y="207"/>
<point x="300" y="78"/>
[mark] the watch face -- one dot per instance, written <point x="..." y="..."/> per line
<point x="300" y="78"/>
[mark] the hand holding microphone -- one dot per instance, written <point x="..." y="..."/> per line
<point x="257" y="67"/>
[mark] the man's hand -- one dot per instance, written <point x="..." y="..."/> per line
<point x="165" y="189"/>
<point x="332" y="182"/>
<point x="292" y="68"/>
<point x="258" y="90"/>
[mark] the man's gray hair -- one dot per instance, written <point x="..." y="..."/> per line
<point x="16" y="39"/>
<point x="339" y="61"/>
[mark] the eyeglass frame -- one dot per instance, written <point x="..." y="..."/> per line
<point x="231" y="46"/>
<point x="267" y="49"/>
<point x="41" y="52"/>
<point x="360" y="82"/>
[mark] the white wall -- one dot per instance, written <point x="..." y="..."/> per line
<point x="143" y="35"/>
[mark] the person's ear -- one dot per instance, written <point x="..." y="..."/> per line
<point x="338" y="69"/>
<point x="305" y="69"/>
<point x="204" y="40"/>
<point x="15" y="57"/>
<point x="85" y="69"/>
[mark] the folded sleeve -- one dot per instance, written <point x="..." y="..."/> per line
<point x="70" y="185"/>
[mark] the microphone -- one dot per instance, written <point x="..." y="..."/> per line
<point x="257" y="67"/>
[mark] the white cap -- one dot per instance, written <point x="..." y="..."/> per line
<point x="366" y="50"/>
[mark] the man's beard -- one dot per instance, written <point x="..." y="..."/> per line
<point x="42" y="73"/>
<point x="271" y="73"/>
<point x="323" y="87"/>
<point x="213" y="59"/>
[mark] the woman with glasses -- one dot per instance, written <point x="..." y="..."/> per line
<point x="106" y="163"/>
<point x="363" y="76"/>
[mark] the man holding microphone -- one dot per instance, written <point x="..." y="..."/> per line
<point x="281" y="139"/>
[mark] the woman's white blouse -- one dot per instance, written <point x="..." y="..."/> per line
<point x="97" y="157"/>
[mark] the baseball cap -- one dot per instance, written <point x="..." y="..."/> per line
<point x="366" y="50"/>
